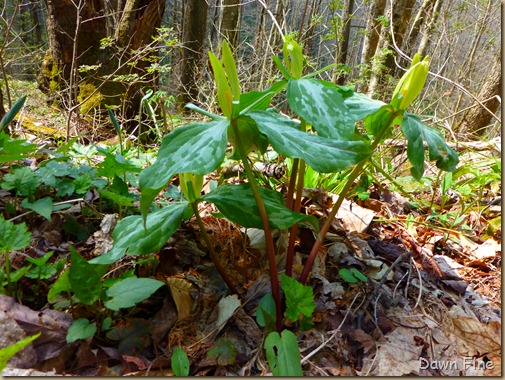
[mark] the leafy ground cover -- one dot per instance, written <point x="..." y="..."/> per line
<point x="128" y="263"/>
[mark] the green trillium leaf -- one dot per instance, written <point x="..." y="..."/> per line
<point x="131" y="238"/>
<point x="323" y="154"/>
<point x="198" y="148"/>
<point x="321" y="105"/>
<point x="237" y="203"/>
<point x="416" y="131"/>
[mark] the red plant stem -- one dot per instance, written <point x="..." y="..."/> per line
<point x="349" y="184"/>
<point x="272" y="261"/>
<point x="294" y="229"/>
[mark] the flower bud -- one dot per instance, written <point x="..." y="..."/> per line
<point x="191" y="185"/>
<point x="293" y="57"/>
<point x="411" y="84"/>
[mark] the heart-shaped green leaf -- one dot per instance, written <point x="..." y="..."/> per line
<point x="80" y="329"/>
<point x="323" y="154"/>
<point x="42" y="206"/>
<point x="283" y="354"/>
<point x="237" y="204"/>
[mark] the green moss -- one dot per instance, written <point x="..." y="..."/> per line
<point x="85" y="90"/>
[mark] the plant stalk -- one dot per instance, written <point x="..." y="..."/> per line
<point x="348" y="186"/>
<point x="212" y="252"/>
<point x="294" y="229"/>
<point x="272" y="261"/>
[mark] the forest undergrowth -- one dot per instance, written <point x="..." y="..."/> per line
<point x="228" y="250"/>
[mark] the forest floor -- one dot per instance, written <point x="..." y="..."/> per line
<point x="432" y="295"/>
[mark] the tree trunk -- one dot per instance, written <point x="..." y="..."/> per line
<point x="193" y="39"/>
<point x="343" y="44"/>
<point x="230" y="22"/>
<point x="477" y="118"/>
<point x="428" y="29"/>
<point x="372" y="31"/>
<point x="384" y="65"/>
<point x="75" y="31"/>
<point x="423" y="15"/>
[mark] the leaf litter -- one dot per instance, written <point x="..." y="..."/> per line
<point x="428" y="296"/>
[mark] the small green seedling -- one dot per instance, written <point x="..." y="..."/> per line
<point x="352" y="275"/>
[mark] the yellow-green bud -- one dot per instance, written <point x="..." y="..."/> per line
<point x="191" y="185"/>
<point x="411" y="84"/>
<point x="293" y="57"/>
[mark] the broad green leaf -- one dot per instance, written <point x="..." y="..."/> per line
<point x="131" y="238"/>
<point x="24" y="180"/>
<point x="360" y="276"/>
<point x="53" y="170"/>
<point x="84" y="278"/>
<point x="360" y="105"/>
<point x="416" y="131"/>
<point x="299" y="298"/>
<point x="41" y="270"/>
<point x="322" y="106"/>
<point x="62" y="284"/>
<point x="12" y="150"/>
<point x="322" y="154"/>
<point x="115" y="165"/>
<point x="222" y="352"/>
<point x="118" y="199"/>
<point x="198" y="148"/>
<point x="65" y="187"/>
<point x="82" y="184"/>
<point x="130" y="291"/>
<point x="9" y="351"/>
<point x="283" y="354"/>
<point x="377" y="121"/>
<point x="13" y="237"/>
<point x="352" y="275"/>
<point x="17" y="274"/>
<point x="80" y="329"/>
<point x="180" y="362"/>
<point x="237" y="204"/>
<point x="265" y="313"/>
<point x="42" y="206"/>
<point x="11" y="114"/>
<point x="260" y="100"/>
<point x="250" y="137"/>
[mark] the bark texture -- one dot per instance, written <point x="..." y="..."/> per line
<point x="475" y="120"/>
<point x="193" y="39"/>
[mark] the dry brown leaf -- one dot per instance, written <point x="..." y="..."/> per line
<point x="180" y="290"/>
<point x="354" y="218"/>
<point x="397" y="356"/>
<point x="487" y="249"/>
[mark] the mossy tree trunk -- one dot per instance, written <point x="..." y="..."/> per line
<point x="75" y="31"/>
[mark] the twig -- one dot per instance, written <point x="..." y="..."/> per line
<point x="321" y="346"/>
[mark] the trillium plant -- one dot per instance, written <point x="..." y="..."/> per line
<point x="323" y="135"/>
